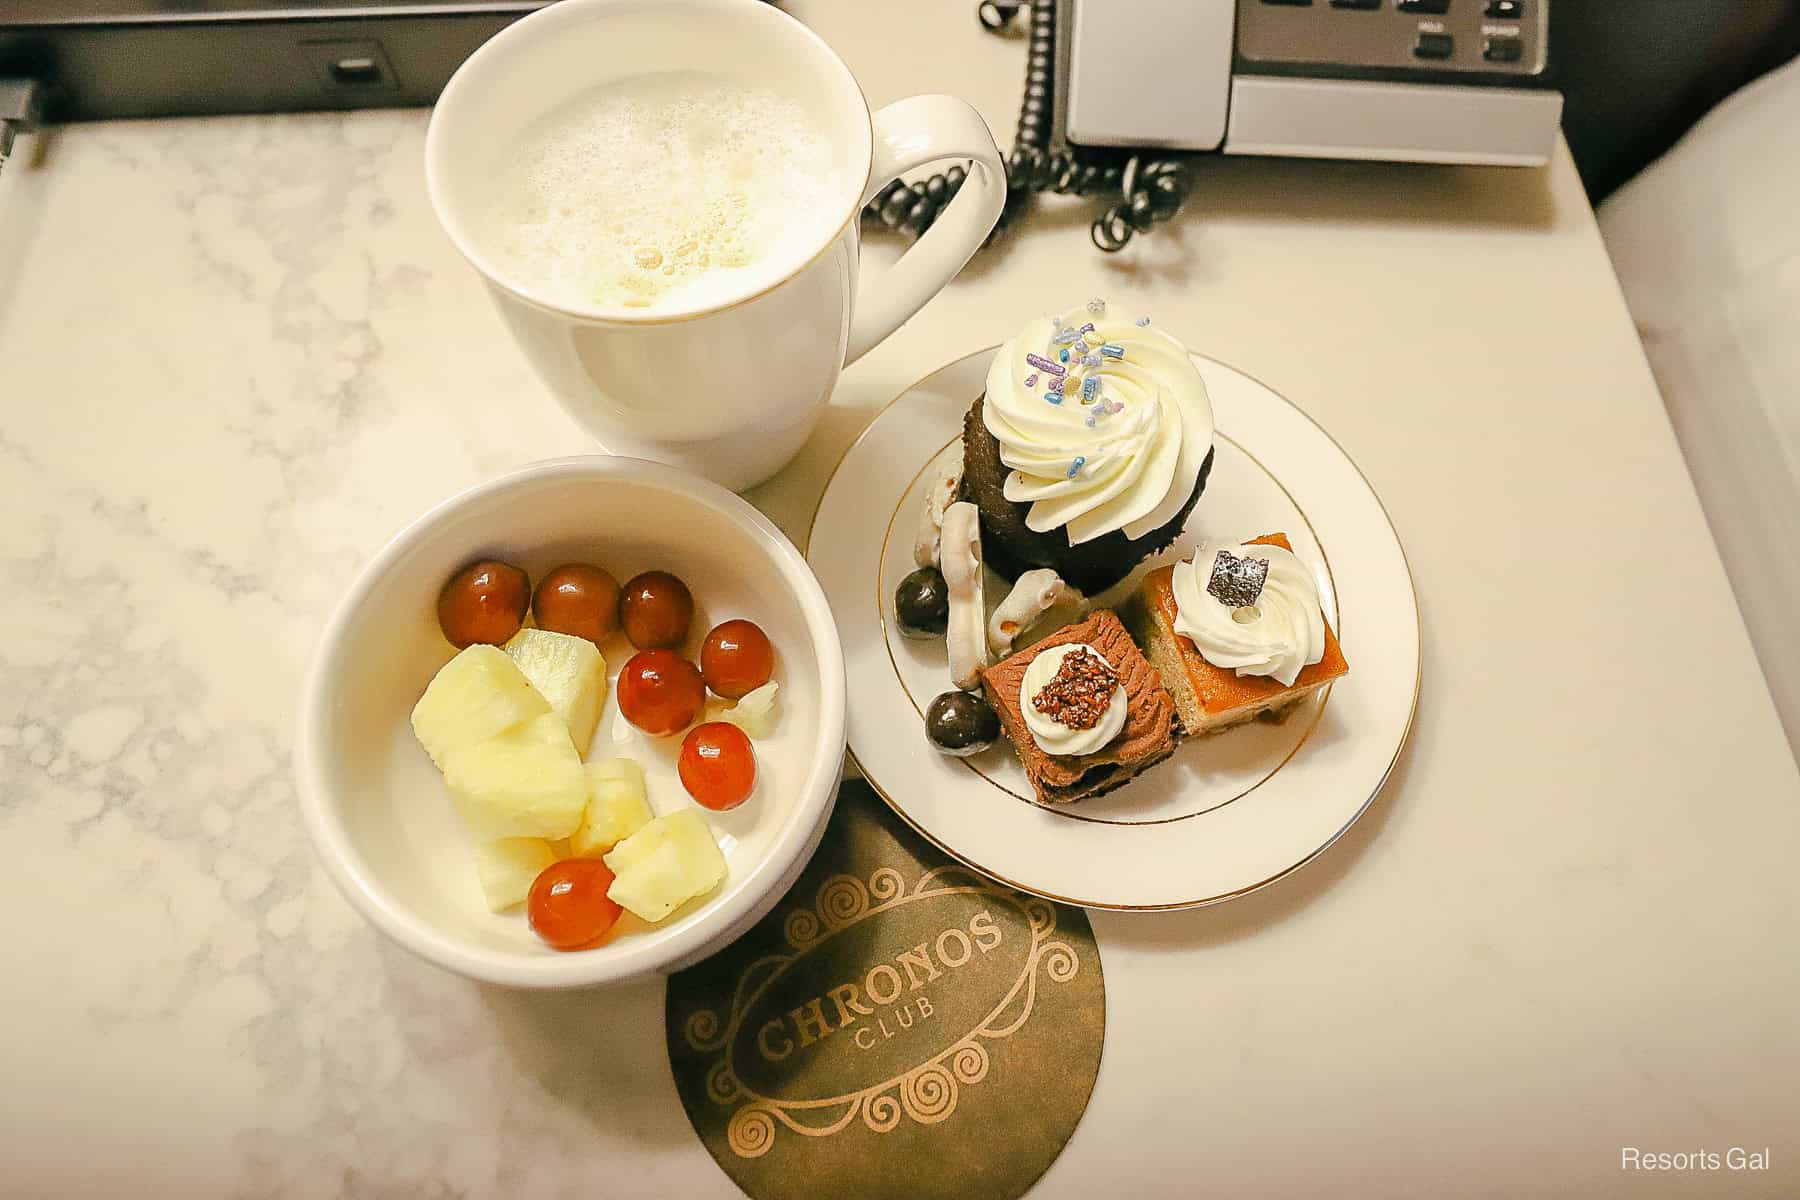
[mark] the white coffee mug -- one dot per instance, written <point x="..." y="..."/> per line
<point x="732" y="389"/>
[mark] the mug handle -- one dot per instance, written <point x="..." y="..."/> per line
<point x="910" y="133"/>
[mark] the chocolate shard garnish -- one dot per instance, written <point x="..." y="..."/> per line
<point x="1237" y="582"/>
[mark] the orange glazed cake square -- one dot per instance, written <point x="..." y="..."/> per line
<point x="1210" y="698"/>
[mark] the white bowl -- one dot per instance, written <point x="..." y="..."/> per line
<point x="376" y="808"/>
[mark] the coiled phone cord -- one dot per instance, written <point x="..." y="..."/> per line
<point x="1152" y="188"/>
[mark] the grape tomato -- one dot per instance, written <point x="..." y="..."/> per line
<point x="568" y="906"/>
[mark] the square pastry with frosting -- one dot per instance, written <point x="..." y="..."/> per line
<point x="1237" y="632"/>
<point x="1084" y="709"/>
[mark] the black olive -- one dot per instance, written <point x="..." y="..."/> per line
<point x="922" y="604"/>
<point x="961" y="724"/>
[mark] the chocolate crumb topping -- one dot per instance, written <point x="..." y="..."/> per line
<point x="1080" y="692"/>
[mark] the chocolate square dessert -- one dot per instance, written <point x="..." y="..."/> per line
<point x="1091" y="716"/>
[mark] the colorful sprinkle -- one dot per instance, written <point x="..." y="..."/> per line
<point x="1113" y="350"/>
<point x="1090" y="388"/>
<point x="1075" y="467"/>
<point x="1092" y="360"/>
<point x="1031" y="379"/>
<point x="1143" y="321"/>
<point x="1064" y="337"/>
<point x="1064" y="356"/>
<point x="1081" y="347"/>
<point x="1096" y="306"/>
<point x="1044" y="364"/>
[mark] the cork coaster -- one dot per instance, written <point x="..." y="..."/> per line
<point x="899" y="1025"/>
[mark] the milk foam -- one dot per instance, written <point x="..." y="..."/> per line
<point x="672" y="190"/>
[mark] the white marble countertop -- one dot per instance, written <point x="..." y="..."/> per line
<point x="236" y="354"/>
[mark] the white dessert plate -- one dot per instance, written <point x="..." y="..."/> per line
<point x="1227" y="814"/>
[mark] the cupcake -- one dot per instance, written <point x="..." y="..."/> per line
<point x="1089" y="448"/>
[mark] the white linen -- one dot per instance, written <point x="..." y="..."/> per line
<point x="1706" y="242"/>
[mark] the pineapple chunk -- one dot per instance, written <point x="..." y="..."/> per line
<point x="665" y="864"/>
<point x="617" y="807"/>
<point x="508" y="867"/>
<point x="567" y="671"/>
<point x="755" y="713"/>
<point x="639" y="846"/>
<point x="526" y="782"/>
<point x="474" y="696"/>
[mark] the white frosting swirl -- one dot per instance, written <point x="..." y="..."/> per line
<point x="1047" y="731"/>
<point x="1279" y="636"/>
<point x="1140" y="459"/>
